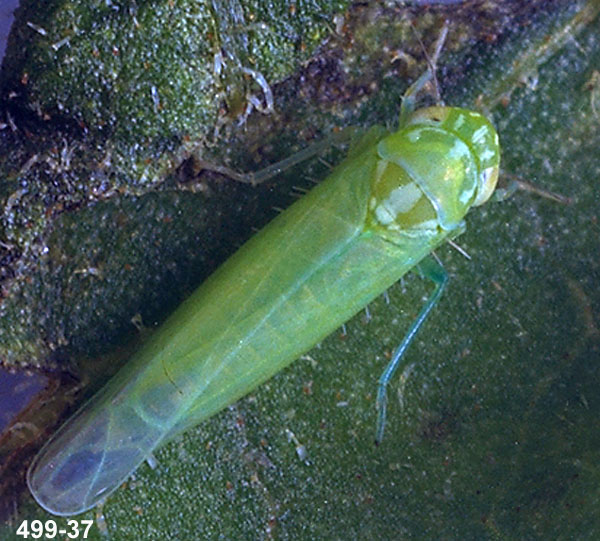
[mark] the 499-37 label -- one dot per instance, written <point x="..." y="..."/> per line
<point x="49" y="529"/>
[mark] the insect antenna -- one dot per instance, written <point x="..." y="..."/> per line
<point x="410" y="96"/>
<point x="432" y="60"/>
<point x="516" y="183"/>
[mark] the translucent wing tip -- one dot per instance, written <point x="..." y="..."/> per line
<point x="88" y="459"/>
<point x="69" y="485"/>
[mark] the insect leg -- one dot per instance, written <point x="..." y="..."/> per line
<point x="276" y="168"/>
<point x="436" y="273"/>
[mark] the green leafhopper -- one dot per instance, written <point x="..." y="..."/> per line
<point x="395" y="198"/>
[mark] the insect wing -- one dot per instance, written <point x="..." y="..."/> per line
<point x="90" y="456"/>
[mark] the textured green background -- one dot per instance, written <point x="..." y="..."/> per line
<point x="499" y="434"/>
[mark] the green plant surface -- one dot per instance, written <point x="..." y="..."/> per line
<point x="493" y="427"/>
<point x="151" y="73"/>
